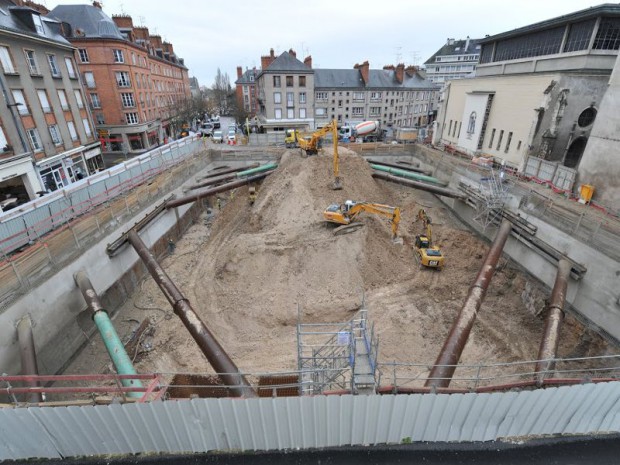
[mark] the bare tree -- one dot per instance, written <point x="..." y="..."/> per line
<point x="221" y="91"/>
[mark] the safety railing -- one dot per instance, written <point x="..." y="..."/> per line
<point x="411" y="377"/>
<point x="46" y="233"/>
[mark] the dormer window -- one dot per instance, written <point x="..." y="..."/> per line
<point x="38" y="24"/>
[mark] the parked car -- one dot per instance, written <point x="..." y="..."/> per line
<point x="218" y="136"/>
<point x="232" y="135"/>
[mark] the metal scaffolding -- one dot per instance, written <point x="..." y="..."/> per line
<point x="490" y="197"/>
<point x="337" y="356"/>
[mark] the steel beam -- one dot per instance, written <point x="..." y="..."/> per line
<point x="553" y="322"/>
<point x="445" y="365"/>
<point x="211" y="348"/>
<point x="444" y="191"/>
<point x="28" y="356"/>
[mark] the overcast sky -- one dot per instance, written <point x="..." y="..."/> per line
<point x="337" y="33"/>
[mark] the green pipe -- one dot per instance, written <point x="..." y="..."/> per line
<point x="113" y="344"/>
<point x="117" y="351"/>
<point x="260" y="169"/>
<point x="408" y="174"/>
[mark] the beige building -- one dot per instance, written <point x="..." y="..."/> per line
<point x="536" y="96"/>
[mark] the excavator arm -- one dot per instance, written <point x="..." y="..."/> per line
<point x="393" y="213"/>
<point x="311" y="144"/>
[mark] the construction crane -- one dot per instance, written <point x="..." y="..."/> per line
<point x="347" y="213"/>
<point x="310" y="145"/>
<point x="427" y="254"/>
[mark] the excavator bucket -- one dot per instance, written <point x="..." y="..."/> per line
<point x="337" y="185"/>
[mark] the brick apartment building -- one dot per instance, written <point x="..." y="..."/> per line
<point x="133" y="79"/>
<point x="245" y="90"/>
<point x="47" y="138"/>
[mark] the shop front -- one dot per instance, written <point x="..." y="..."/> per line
<point x="66" y="168"/>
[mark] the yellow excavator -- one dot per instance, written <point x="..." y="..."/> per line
<point x="347" y="213"/>
<point x="310" y="145"/>
<point x="427" y="254"/>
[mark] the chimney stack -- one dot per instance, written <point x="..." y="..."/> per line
<point x="364" y="71"/>
<point x="266" y="60"/>
<point x="292" y="52"/>
<point x="400" y="72"/>
<point x="466" y="44"/>
<point x="411" y="70"/>
<point x="308" y="61"/>
<point x="97" y="5"/>
<point x="239" y="72"/>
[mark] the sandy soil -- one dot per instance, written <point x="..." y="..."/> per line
<point x="247" y="268"/>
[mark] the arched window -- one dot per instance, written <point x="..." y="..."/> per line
<point x="573" y="155"/>
<point x="471" y="127"/>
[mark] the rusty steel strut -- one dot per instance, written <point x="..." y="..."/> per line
<point x="445" y="365"/>
<point x="28" y="355"/>
<point x="213" y="351"/>
<point x="553" y="322"/>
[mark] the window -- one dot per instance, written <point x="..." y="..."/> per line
<point x="94" y="99"/>
<point x="302" y="81"/>
<point x="302" y="112"/>
<point x="278" y="113"/>
<point x="290" y="113"/>
<point x="78" y="98"/>
<point x="53" y="65"/>
<point x="35" y="141"/>
<point x="519" y="145"/>
<point x="118" y="56"/>
<point x="4" y="144"/>
<point x="358" y="96"/>
<point x="290" y="99"/>
<point x="45" y="104"/>
<point x="375" y="96"/>
<point x="132" y="118"/>
<point x="128" y="100"/>
<point x="289" y="81"/>
<point x="133" y="58"/>
<point x="55" y="134"/>
<point x="277" y="97"/>
<point x="100" y="119"/>
<point x="499" y="141"/>
<point x="38" y="24"/>
<point x="31" y="59"/>
<point x="276" y="81"/>
<point x="492" y="137"/>
<point x="357" y="111"/>
<point x="122" y="78"/>
<point x="70" y="68"/>
<point x="586" y="118"/>
<point x="508" y="142"/>
<point x="375" y="111"/>
<point x="5" y="59"/>
<point x="471" y="127"/>
<point x="459" y="134"/>
<point x="86" y="127"/>
<point x="83" y="55"/>
<point x="449" y="127"/>
<point x="320" y="112"/>
<point x="72" y="132"/>
<point x="90" y="79"/>
<point x="321" y="95"/>
<point x="302" y="97"/>
<point x="20" y="101"/>
<point x="63" y="99"/>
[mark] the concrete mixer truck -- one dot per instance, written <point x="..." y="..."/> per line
<point x="366" y="131"/>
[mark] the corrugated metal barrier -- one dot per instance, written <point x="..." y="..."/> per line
<point x="202" y="425"/>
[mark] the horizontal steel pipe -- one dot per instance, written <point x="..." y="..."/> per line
<point x="415" y="169"/>
<point x="28" y="355"/>
<point x="553" y="322"/>
<point x="444" y="191"/>
<point x="227" y="177"/>
<point x="218" y="172"/>
<point x="408" y="174"/>
<point x="215" y="190"/>
<point x="113" y="344"/>
<point x="445" y="365"/>
<point x="211" y="348"/>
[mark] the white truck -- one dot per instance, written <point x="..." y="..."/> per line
<point x="366" y="131"/>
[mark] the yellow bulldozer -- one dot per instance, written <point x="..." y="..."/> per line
<point x="427" y="254"/>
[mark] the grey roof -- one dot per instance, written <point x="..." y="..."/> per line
<point x="611" y="9"/>
<point x="18" y="19"/>
<point x="452" y="49"/>
<point x="245" y="77"/>
<point x="287" y="62"/>
<point x="93" y="21"/>
<point x="377" y="79"/>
